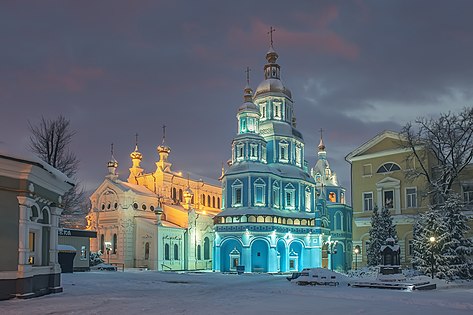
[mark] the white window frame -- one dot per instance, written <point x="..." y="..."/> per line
<point x="411" y="198"/>
<point x="253" y="149"/>
<point x="284" y="148"/>
<point x="364" y="203"/>
<point x="290" y="191"/>
<point x="308" y="200"/>
<point x="237" y="184"/>
<point x="260" y="184"/>
<point x="240" y="151"/>
<point x="467" y="194"/>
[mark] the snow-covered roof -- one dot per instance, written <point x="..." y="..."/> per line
<point x="141" y="190"/>
<point x="287" y="171"/>
<point x="29" y="158"/>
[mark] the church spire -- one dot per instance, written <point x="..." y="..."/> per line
<point x="112" y="165"/>
<point x="271" y="69"/>
<point x="136" y="156"/>
<point x="321" y="144"/>
<point x="248" y="92"/>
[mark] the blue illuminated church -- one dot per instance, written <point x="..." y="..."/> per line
<point x="276" y="217"/>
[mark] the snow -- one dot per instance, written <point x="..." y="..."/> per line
<point x="133" y="292"/>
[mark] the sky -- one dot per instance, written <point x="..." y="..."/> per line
<point x="150" y="292"/>
<point x="117" y="68"/>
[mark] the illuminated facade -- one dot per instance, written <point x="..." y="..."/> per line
<point x="333" y="197"/>
<point x="160" y="220"/>
<point x="272" y="219"/>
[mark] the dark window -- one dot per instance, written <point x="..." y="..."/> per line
<point x="199" y="257"/>
<point x="176" y="252"/>
<point x="388" y="167"/>
<point x="166" y="252"/>
<point x="206" y="248"/>
<point x="146" y="251"/>
<point x="114" y="245"/>
<point x="102" y="243"/>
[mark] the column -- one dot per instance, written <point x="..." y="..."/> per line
<point x="53" y="240"/>
<point x="24" y="203"/>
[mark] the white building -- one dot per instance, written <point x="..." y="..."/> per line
<point x="160" y="220"/>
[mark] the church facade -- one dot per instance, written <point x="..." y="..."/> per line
<point x="160" y="220"/>
<point x="273" y="219"/>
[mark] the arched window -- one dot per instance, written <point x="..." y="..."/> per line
<point x="146" y="251"/>
<point x="388" y="167"/>
<point x="166" y="252"/>
<point x="308" y="198"/>
<point x="206" y="248"/>
<point x="199" y="257"/>
<point x="218" y="202"/>
<point x="208" y="200"/>
<point x="202" y="200"/>
<point x="174" y="194"/>
<point x="332" y="197"/>
<point x="180" y="195"/>
<point x="338" y="221"/>
<point x="213" y="201"/>
<point x="114" y="244"/>
<point x="176" y="252"/>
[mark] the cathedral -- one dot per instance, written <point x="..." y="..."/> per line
<point x="161" y="220"/>
<point x="277" y="216"/>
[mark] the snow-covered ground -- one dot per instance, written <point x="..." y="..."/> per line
<point x="150" y="292"/>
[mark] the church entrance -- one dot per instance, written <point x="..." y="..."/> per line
<point x="259" y="256"/>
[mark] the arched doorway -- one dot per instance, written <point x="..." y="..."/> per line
<point x="295" y="250"/>
<point x="230" y="255"/>
<point x="259" y="256"/>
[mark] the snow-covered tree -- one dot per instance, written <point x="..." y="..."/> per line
<point x="386" y="224"/>
<point x="381" y="229"/>
<point x="376" y="239"/>
<point x="425" y="252"/>
<point x="456" y="247"/>
<point x="441" y="147"/>
<point x="451" y="249"/>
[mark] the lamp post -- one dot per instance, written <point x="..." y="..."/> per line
<point x="357" y="251"/>
<point x="331" y="247"/>
<point x="432" y="243"/>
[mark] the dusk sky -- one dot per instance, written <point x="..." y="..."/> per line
<point x="116" y="68"/>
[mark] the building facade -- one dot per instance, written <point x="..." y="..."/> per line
<point x="272" y="219"/>
<point x="160" y="220"/>
<point x="30" y="202"/>
<point x="333" y="196"/>
<point x="378" y="179"/>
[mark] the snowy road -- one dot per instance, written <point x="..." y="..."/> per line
<point x="213" y="293"/>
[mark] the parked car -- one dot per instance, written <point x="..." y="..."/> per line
<point x="104" y="266"/>
<point x="293" y="276"/>
<point x="317" y="276"/>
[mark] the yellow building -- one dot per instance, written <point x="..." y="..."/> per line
<point x="378" y="178"/>
<point x="160" y="220"/>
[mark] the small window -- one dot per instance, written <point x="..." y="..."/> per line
<point x="199" y="257"/>
<point x="368" y="201"/>
<point x="143" y="207"/>
<point x="468" y="193"/>
<point x="388" y="168"/>
<point x="176" y="252"/>
<point x="411" y="197"/>
<point x="146" y="251"/>
<point x="332" y="197"/>
<point x="237" y="195"/>
<point x="135" y="206"/>
<point x="367" y="170"/>
<point x="166" y="252"/>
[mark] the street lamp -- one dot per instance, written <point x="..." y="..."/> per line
<point x="331" y="247"/>
<point x="432" y="242"/>
<point x="357" y="251"/>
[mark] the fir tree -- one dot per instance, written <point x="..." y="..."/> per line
<point x="456" y="248"/>
<point x="427" y="253"/>
<point x="387" y="226"/>
<point x="381" y="229"/>
<point x="376" y="240"/>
